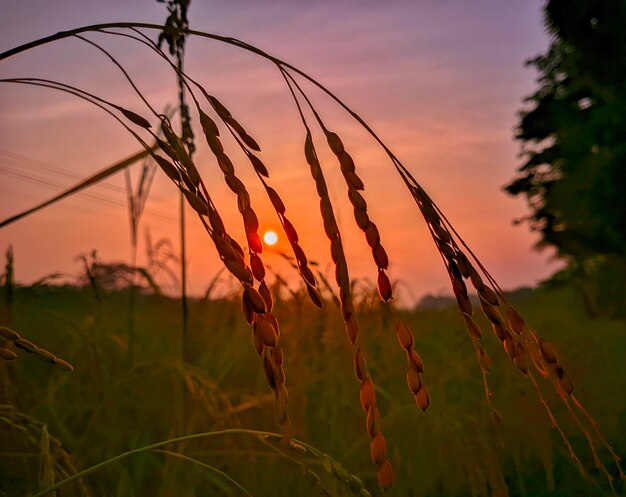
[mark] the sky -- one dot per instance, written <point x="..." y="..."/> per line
<point x="440" y="82"/>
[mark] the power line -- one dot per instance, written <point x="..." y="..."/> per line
<point x="38" y="180"/>
<point x="196" y="230"/>
<point x="8" y="156"/>
<point x="16" y="192"/>
<point x="109" y="202"/>
<point x="14" y="169"/>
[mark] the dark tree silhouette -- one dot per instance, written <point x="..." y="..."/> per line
<point x="573" y="134"/>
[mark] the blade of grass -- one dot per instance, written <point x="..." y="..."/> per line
<point x="195" y="436"/>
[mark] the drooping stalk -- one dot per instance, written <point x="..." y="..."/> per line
<point x="520" y="341"/>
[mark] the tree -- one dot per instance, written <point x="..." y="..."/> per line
<point x="573" y="134"/>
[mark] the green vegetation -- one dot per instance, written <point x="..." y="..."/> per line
<point x="104" y="408"/>
<point x="572" y="131"/>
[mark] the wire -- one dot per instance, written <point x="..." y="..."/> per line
<point x="8" y="156"/>
<point x="92" y="197"/>
<point x="50" y="176"/>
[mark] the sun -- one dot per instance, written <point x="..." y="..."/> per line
<point x="270" y="238"/>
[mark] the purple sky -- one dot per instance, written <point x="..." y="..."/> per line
<point x="440" y="82"/>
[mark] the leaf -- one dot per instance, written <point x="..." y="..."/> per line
<point x="46" y="460"/>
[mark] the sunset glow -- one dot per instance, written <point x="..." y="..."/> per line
<point x="428" y="91"/>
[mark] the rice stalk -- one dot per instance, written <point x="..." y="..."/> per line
<point x="521" y="343"/>
<point x="13" y="338"/>
<point x="55" y="463"/>
<point x="367" y="392"/>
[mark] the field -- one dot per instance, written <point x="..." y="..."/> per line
<point x="321" y="381"/>
<point x="115" y="401"/>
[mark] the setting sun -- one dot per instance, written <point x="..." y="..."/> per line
<point x="270" y="238"/>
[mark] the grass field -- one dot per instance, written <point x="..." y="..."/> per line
<point x="108" y="405"/>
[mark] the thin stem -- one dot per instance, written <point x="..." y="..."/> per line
<point x="228" y="40"/>
<point x="231" y="41"/>
<point x="147" y="41"/>
<point x="121" y="68"/>
<point x="288" y="77"/>
<point x="74" y="90"/>
<point x="80" y="94"/>
<point x="187" y="137"/>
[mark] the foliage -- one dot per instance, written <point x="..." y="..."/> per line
<point x="105" y="407"/>
<point x="574" y="139"/>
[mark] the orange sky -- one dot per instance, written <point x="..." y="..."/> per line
<point x="439" y="82"/>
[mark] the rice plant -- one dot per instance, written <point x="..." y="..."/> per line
<point x="534" y="357"/>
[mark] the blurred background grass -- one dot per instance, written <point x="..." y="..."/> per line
<point x="106" y="406"/>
